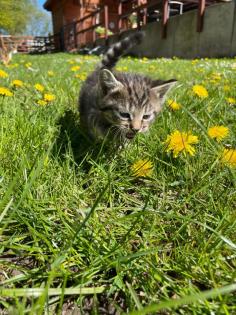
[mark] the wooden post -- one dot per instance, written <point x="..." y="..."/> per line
<point x="119" y="16"/>
<point x="106" y="20"/>
<point x="62" y="39"/>
<point x="200" y="16"/>
<point x="165" y="15"/>
<point x="94" y="33"/>
<point x="138" y="15"/>
<point x="145" y="16"/>
<point x="75" y="35"/>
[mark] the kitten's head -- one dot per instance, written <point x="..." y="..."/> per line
<point x="130" y="103"/>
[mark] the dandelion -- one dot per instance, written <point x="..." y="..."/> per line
<point x="218" y="132"/>
<point x="50" y="73"/>
<point x="142" y="168"/>
<point x="3" y="74"/>
<point x="17" y="83"/>
<point x="5" y="92"/>
<point x="39" y="87"/>
<point x="200" y="91"/>
<point x="81" y="76"/>
<point x="152" y="68"/>
<point x="41" y="102"/>
<point x="28" y="65"/>
<point x="75" y="68"/>
<point x="231" y="100"/>
<point x="173" y="104"/>
<point x="226" y="88"/>
<point x="229" y="157"/>
<point x="193" y="62"/>
<point x="49" y="97"/>
<point x="179" y="142"/>
<point x="122" y="68"/>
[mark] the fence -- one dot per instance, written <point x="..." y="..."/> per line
<point x="82" y="31"/>
<point x="29" y="44"/>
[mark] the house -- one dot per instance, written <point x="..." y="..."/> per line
<point x="182" y="28"/>
<point x="67" y="13"/>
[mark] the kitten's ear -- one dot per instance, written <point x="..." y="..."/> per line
<point x="108" y="81"/>
<point x="160" y="88"/>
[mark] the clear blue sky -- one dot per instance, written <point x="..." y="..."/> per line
<point x="41" y="2"/>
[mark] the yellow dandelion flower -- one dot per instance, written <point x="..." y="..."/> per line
<point x="28" y="64"/>
<point x="200" y="91"/>
<point x="179" y="142"/>
<point x="218" y="132"/>
<point x="173" y="104"/>
<point x="226" y="88"/>
<point x="5" y="92"/>
<point x="142" y="168"/>
<point x="194" y="61"/>
<point x="3" y="74"/>
<point x="39" y="87"/>
<point x="50" y="73"/>
<point x="80" y="76"/>
<point x="229" y="157"/>
<point x="17" y="83"/>
<point x="75" y="68"/>
<point x="41" y="102"/>
<point x="152" y="68"/>
<point x="231" y="100"/>
<point x="49" y="97"/>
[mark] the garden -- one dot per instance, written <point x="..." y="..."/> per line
<point x="147" y="229"/>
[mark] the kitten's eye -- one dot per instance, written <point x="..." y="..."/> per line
<point x="146" y="117"/>
<point x="124" y="115"/>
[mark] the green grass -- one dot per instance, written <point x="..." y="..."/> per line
<point x="78" y="230"/>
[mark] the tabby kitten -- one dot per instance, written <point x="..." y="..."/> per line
<point x="118" y="103"/>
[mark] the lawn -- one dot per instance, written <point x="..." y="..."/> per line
<point x="83" y="229"/>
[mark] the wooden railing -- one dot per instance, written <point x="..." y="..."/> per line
<point x="82" y="31"/>
<point x="141" y="13"/>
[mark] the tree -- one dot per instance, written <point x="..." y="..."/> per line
<point x="18" y="17"/>
<point x="40" y="24"/>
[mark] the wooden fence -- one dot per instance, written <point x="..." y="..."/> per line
<point x="83" y="31"/>
<point x="80" y="32"/>
<point x="29" y="44"/>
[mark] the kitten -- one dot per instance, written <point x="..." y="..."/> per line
<point x="118" y="103"/>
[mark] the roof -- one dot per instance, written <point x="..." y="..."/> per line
<point x="47" y="5"/>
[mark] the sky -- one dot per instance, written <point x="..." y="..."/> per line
<point x="41" y="2"/>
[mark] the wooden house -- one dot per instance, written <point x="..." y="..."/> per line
<point x="76" y="22"/>
<point x="74" y="16"/>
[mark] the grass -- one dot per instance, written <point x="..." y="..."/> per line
<point x="80" y="232"/>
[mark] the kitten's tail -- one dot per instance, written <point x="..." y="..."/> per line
<point x="117" y="50"/>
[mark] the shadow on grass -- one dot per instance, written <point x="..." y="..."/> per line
<point x="72" y="139"/>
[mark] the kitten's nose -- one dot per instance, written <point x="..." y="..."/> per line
<point x="135" y="130"/>
<point x="135" y="126"/>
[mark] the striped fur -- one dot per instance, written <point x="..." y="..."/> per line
<point x="117" y="50"/>
<point x="117" y="103"/>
